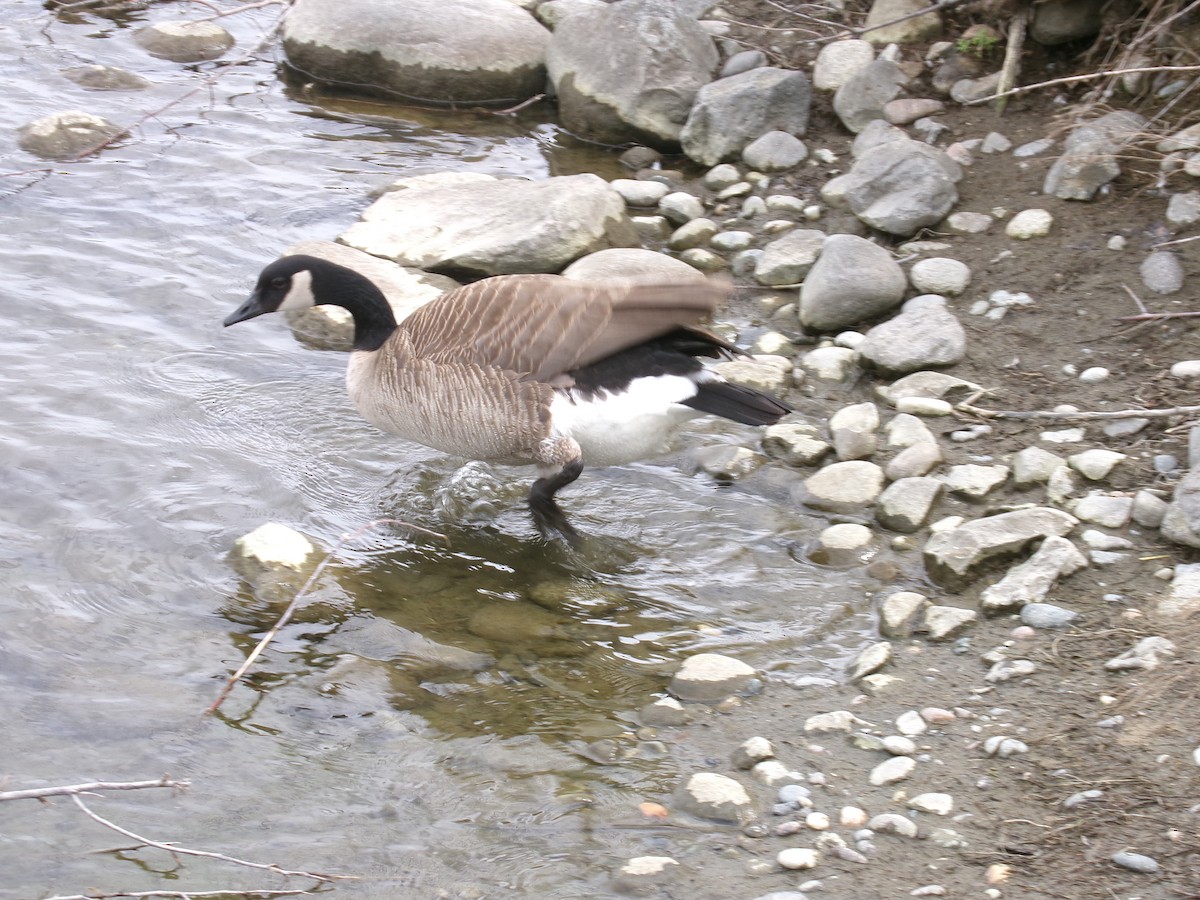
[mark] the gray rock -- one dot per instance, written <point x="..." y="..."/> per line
<point x="853" y="431"/>
<point x="905" y="430"/>
<point x="944" y="623"/>
<point x="552" y="12"/>
<point x="1095" y="464"/>
<point x="844" y="544"/>
<point x="1033" y="579"/>
<point x="632" y="263"/>
<point x="893" y="22"/>
<point x="788" y="259"/>
<point x="899" y="612"/>
<point x="751" y="752"/>
<point x="969" y="89"/>
<point x="1184" y="209"/>
<point x="906" y="503"/>
<point x="875" y="133"/>
<point x="1008" y="669"/>
<point x="844" y="486"/>
<point x="712" y="796"/>
<point x="726" y="462"/>
<point x="683" y="208"/>
<point x="692" y="233"/>
<point x="838" y="61"/>
<point x="1136" y="862"/>
<point x="939" y="275"/>
<point x="639" y="193"/>
<point x="864" y="94"/>
<point x="969" y="222"/>
<point x="899" y="187"/>
<point x="515" y="225"/>
<point x="775" y="151"/>
<point x="1033" y="465"/>
<point x="904" y="110"/>
<point x="953" y="557"/>
<point x="1146" y="654"/>
<point x="870" y="660"/>
<point x="640" y="81"/>
<point x="106" y="78"/>
<point x="1063" y="21"/>
<point x="763" y="373"/>
<point x="893" y="823"/>
<point x="1090" y="156"/>
<point x="473" y="51"/>
<point x="1047" y="615"/>
<point x="722" y="176"/>
<point x="645" y="873"/>
<point x="914" y="462"/>
<point x="709" y="677"/>
<point x="925" y="335"/>
<point x="973" y="481"/>
<point x="796" y="443"/>
<point x="851" y="281"/>
<point x="66" y="135"/>
<point x="1149" y="510"/>
<point x="732" y="112"/>
<point x="184" y="42"/>
<point x="743" y="62"/>
<point x="666" y="712"/>
<point x="1162" y="272"/>
<point x="1108" y="510"/>
<point x="1184" y="596"/>
<point x="835" y="365"/>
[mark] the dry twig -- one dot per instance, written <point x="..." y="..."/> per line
<point x="1073" y="79"/>
<point x="1078" y="416"/>
<point x="90" y="788"/>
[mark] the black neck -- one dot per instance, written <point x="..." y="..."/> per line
<point x="374" y="321"/>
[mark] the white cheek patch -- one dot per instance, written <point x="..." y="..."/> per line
<point x="299" y="295"/>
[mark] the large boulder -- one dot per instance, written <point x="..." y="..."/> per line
<point x="435" y="51"/>
<point x="630" y="71"/>
<point x="852" y="280"/>
<point x="470" y="225"/>
<point x="900" y="186"/>
<point x="729" y="114"/>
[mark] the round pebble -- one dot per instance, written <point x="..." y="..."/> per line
<point x="1136" y="862"/>
<point x="798" y="858"/>
<point x="1094" y="375"/>
<point x="1029" y="223"/>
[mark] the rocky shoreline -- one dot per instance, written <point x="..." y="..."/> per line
<point x="853" y="256"/>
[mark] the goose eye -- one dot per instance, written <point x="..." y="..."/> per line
<point x="279" y="283"/>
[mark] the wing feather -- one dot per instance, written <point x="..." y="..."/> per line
<point x="540" y="326"/>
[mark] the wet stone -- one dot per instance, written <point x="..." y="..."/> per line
<point x="713" y="796"/>
<point x="184" y="41"/>
<point x="709" y="677"/>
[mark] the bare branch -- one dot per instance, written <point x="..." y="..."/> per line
<point x="92" y="787"/>
<point x="1078" y="416"/>
<point x="291" y="607"/>
<point x="1151" y="316"/>
<point x="1092" y="76"/>
<point x="186" y="895"/>
<point x="174" y="849"/>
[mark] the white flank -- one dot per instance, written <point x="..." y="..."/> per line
<point x="636" y="423"/>
<point x="299" y="295"/>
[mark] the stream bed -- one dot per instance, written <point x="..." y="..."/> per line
<point x="454" y="715"/>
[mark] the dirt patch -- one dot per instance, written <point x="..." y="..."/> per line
<point x="1129" y="738"/>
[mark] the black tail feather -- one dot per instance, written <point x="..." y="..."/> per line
<point x="741" y="404"/>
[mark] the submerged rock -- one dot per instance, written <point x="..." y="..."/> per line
<point x="66" y="135"/>
<point x="184" y="42"/>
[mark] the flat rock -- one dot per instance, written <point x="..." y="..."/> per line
<point x="1033" y="579"/>
<point x="944" y="623"/>
<point x="709" y="677"/>
<point x="430" y="51"/>
<point x="925" y="335"/>
<point x="514" y="226"/>
<point x="713" y="796"/>
<point x="954" y="557"/>
<point x="844" y="486"/>
<point x="906" y="504"/>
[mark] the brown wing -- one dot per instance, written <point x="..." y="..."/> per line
<point x="540" y="326"/>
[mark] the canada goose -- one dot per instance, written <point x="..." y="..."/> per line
<point x="523" y="369"/>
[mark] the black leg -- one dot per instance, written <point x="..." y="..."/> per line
<point x="547" y="516"/>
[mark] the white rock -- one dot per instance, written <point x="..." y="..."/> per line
<point x="891" y="770"/>
<point x="1095" y="465"/>
<point x="713" y="796"/>
<point x="838" y="720"/>
<point x="899" y="745"/>
<point x="1029" y="223"/>
<point x="798" y="858"/>
<point x="893" y="823"/>
<point x="709" y="677"/>
<point x="938" y="804"/>
<point x="910" y="723"/>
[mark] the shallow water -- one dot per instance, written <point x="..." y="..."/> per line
<point x="449" y="715"/>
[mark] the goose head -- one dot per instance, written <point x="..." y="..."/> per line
<point x="286" y="283"/>
<point x="298" y="282"/>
